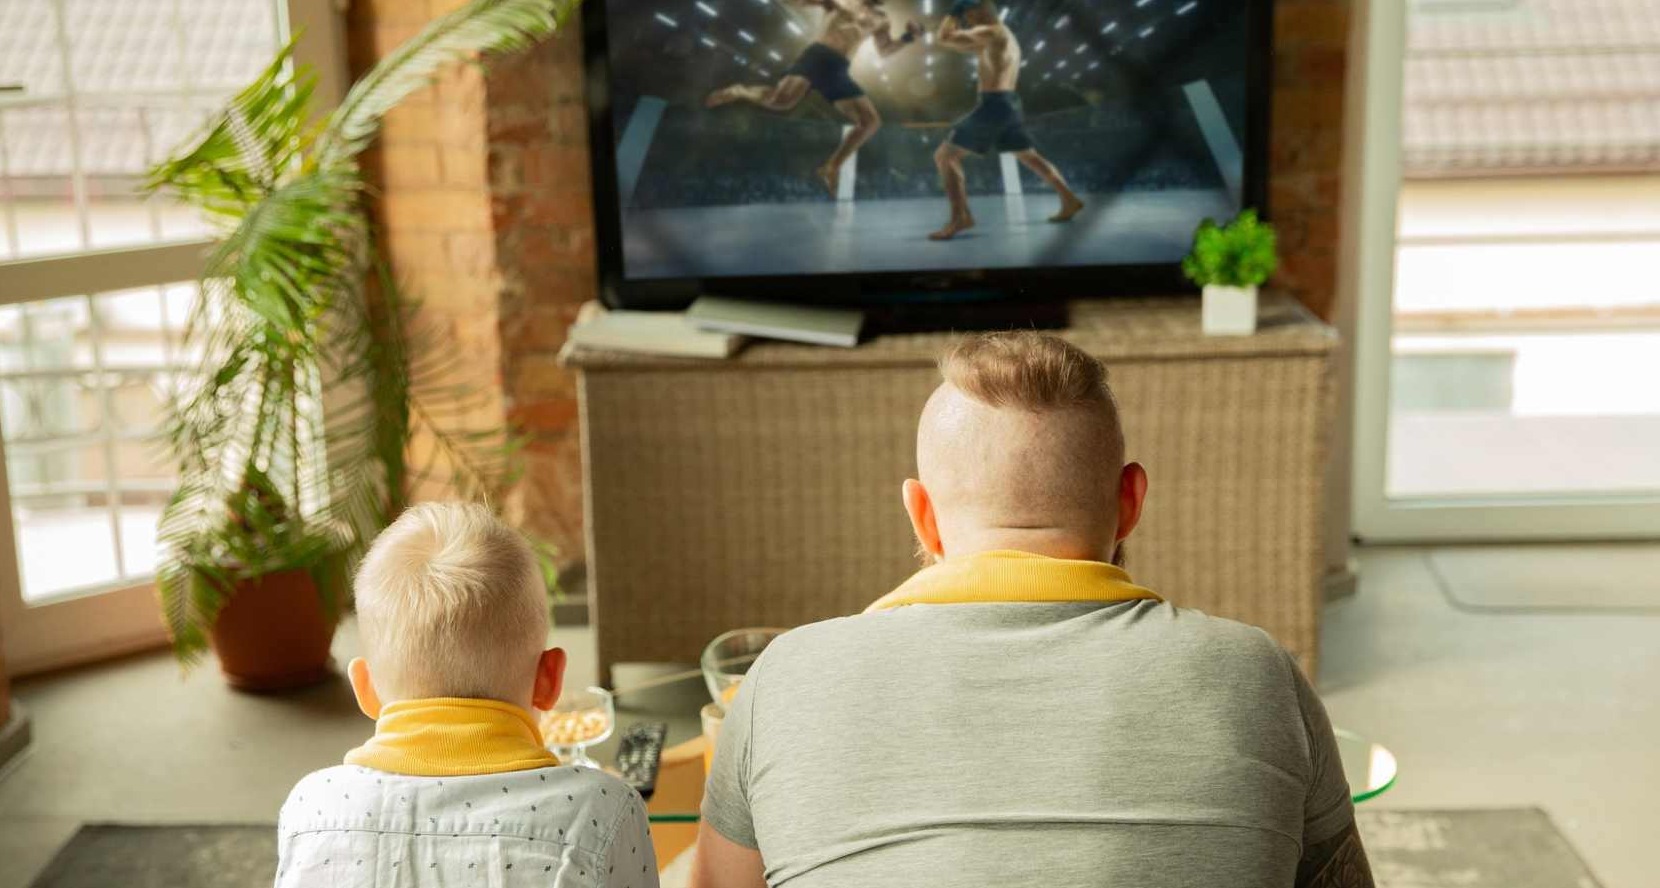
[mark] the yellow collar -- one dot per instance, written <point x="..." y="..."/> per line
<point x="452" y="737"/>
<point x="1009" y="576"/>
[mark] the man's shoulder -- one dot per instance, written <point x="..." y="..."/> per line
<point x="1214" y="635"/>
<point x="811" y="637"/>
<point x="1168" y="625"/>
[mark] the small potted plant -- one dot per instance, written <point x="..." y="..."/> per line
<point x="1230" y="262"/>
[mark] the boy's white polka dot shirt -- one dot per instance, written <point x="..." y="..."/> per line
<point x="563" y="826"/>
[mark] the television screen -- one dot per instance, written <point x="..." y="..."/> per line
<point x="740" y="140"/>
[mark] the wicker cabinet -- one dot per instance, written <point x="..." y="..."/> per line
<point x="764" y="490"/>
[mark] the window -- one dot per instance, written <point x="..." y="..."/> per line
<point x="97" y="91"/>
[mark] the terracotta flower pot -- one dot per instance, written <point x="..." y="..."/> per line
<point x="274" y="634"/>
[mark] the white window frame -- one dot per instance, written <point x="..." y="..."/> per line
<point x="110" y="620"/>
<point x="1378" y="518"/>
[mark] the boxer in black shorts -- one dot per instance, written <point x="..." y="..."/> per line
<point x="996" y="125"/>
<point x="824" y="66"/>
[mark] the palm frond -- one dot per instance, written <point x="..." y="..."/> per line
<point x="297" y="250"/>
<point x="292" y="433"/>
<point x="243" y="151"/>
<point x="482" y="26"/>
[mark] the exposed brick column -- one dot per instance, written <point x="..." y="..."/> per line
<point x="542" y="206"/>
<point x="430" y="168"/>
<point x="1306" y="145"/>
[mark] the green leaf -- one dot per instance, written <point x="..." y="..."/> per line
<point x="482" y="26"/>
<point x="1242" y="253"/>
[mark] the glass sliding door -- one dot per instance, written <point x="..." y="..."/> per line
<point x="1508" y="382"/>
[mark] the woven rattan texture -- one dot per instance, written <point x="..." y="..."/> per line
<point x="766" y="492"/>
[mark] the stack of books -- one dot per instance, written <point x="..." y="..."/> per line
<point x="712" y="328"/>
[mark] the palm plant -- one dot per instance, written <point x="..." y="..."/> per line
<point x="292" y="434"/>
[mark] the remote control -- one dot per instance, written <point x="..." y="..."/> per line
<point x="639" y="754"/>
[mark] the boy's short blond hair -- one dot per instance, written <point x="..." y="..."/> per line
<point x="451" y="603"/>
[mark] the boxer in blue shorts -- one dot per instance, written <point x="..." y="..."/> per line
<point x="997" y="124"/>
<point x="824" y="66"/>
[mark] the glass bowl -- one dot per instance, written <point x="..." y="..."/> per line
<point x="579" y="720"/>
<point x="728" y="658"/>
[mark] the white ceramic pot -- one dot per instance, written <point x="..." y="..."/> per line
<point x="1229" y="311"/>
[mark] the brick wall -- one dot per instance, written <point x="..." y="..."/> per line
<point x="487" y="208"/>
<point x="431" y="170"/>
<point x="541" y="203"/>
<point x="1306" y="144"/>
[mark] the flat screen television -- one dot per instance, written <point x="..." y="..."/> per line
<point x="805" y="149"/>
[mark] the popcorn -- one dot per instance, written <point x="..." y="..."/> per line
<point x="572" y="728"/>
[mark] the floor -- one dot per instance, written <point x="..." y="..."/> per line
<point x="1012" y="231"/>
<point x="1486" y="710"/>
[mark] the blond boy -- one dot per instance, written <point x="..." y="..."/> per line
<point x="456" y="786"/>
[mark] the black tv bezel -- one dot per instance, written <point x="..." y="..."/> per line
<point x="1028" y="283"/>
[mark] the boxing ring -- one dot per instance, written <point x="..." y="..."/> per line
<point x="892" y="235"/>
<point x="813" y="233"/>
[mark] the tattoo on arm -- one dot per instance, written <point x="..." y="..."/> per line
<point x="1338" y="862"/>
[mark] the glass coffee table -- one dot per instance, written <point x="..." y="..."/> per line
<point x="1370" y="767"/>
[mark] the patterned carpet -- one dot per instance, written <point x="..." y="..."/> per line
<point x="1500" y="848"/>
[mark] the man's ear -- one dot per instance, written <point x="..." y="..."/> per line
<point x="363" y="687"/>
<point x="1132" y="494"/>
<point x="921" y="510"/>
<point x="550" y="679"/>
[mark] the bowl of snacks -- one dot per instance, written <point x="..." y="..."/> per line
<point x="579" y="720"/>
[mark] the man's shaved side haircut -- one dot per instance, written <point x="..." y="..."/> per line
<point x="1025" y="370"/>
<point x="1033" y="372"/>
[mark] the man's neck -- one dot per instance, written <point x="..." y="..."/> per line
<point x="1051" y="543"/>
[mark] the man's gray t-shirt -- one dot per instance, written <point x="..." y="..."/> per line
<point x="1124" y="744"/>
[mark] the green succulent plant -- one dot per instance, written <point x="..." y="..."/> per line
<point x="1242" y="253"/>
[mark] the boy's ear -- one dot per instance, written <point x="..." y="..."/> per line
<point x="363" y="687"/>
<point x="550" y="679"/>
<point x="921" y="510"/>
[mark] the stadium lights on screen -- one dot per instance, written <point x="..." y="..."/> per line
<point x="728" y="146"/>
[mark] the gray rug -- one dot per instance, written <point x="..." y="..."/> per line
<point x="100" y="855"/>
<point x="1502" y="848"/>
<point x="1605" y="577"/>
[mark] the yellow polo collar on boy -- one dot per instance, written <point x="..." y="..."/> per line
<point x="453" y="737"/>
<point x="1010" y="576"/>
